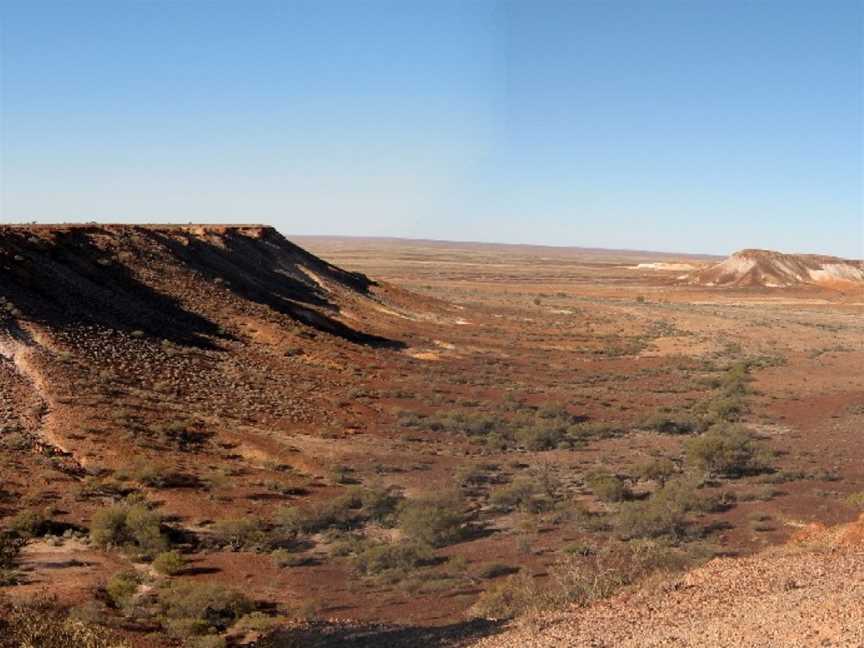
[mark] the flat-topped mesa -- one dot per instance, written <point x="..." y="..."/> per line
<point x="158" y="278"/>
<point x="769" y="269"/>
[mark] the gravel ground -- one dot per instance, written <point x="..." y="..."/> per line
<point x="789" y="598"/>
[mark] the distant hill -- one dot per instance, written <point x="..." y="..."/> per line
<point x="767" y="269"/>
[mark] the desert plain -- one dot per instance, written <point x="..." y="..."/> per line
<point x="390" y="442"/>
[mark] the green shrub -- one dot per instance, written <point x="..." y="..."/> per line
<point x="436" y="520"/>
<point x="379" y="504"/>
<point x="508" y="598"/>
<point x="608" y="487"/>
<point x="519" y="494"/>
<point x="540" y="435"/>
<point x="726" y="408"/>
<point x="239" y="533"/>
<point x="122" y="587"/>
<point x="659" y="470"/>
<point x="132" y="527"/>
<point x="726" y="450"/>
<point x="471" y="475"/>
<point x="30" y="524"/>
<point x="856" y="500"/>
<point x="109" y="527"/>
<point x="662" y="514"/>
<point x="10" y="547"/>
<point x="375" y="559"/>
<point x="200" y="608"/>
<point x="145" y="527"/>
<point x="337" y="513"/>
<point x="169" y="563"/>
<point x="670" y="425"/>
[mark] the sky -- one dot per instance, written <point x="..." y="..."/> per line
<point x="688" y="126"/>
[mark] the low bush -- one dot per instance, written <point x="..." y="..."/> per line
<point x="671" y="425"/>
<point x="189" y="608"/>
<point x="10" y="547"/>
<point x="30" y="524"/>
<point x="238" y="534"/>
<point x="374" y="559"/>
<point x="285" y="558"/>
<point x="662" y="514"/>
<point x="727" y="450"/>
<point x="337" y="513"/>
<point x="380" y="504"/>
<point x="520" y="494"/>
<point x="134" y="528"/>
<point x="508" y="598"/>
<point x="169" y="563"/>
<point x="541" y="435"/>
<point x="122" y="587"/>
<point x="206" y="641"/>
<point x="608" y="487"/>
<point x="659" y="470"/>
<point x="435" y="521"/>
<point x="856" y="500"/>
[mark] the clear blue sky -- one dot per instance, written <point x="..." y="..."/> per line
<point x="691" y="125"/>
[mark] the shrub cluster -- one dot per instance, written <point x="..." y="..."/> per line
<point x="541" y="429"/>
<point x="132" y="527"/>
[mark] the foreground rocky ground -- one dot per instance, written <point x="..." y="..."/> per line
<point x="809" y="593"/>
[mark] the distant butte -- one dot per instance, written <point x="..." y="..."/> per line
<point x="767" y="269"/>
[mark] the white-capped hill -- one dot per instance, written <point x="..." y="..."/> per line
<point x="764" y="268"/>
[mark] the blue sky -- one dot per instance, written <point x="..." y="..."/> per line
<point x="687" y="126"/>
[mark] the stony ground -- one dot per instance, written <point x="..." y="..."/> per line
<point x="808" y="594"/>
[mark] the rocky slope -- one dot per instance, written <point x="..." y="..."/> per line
<point x="764" y="268"/>
<point x="181" y="348"/>
<point x="807" y="594"/>
<point x="118" y="276"/>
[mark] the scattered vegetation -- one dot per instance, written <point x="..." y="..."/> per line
<point x="531" y="428"/>
<point x="42" y="624"/>
<point x="577" y="579"/>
